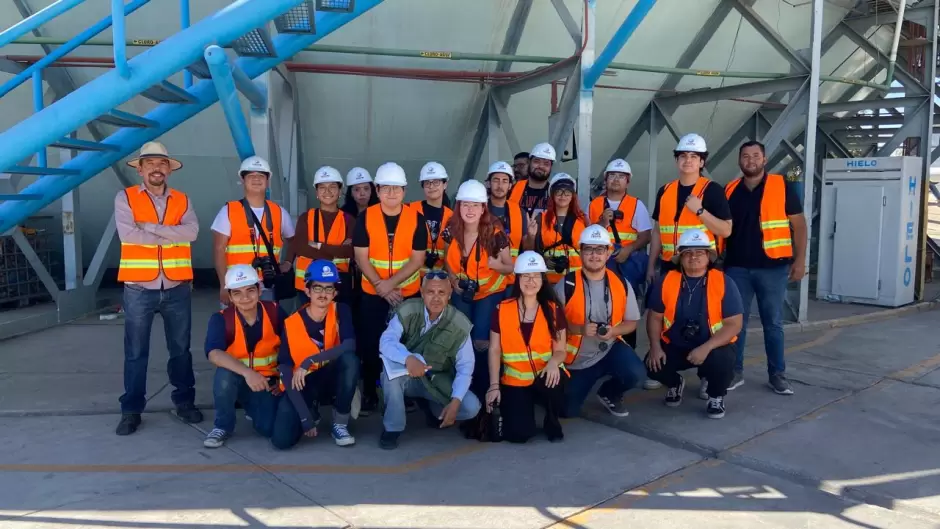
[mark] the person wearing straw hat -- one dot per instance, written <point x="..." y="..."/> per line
<point x="156" y="226"/>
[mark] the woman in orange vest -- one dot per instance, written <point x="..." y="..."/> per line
<point x="556" y="236"/>
<point x="242" y="341"/>
<point x="695" y="312"/>
<point x="317" y="362"/>
<point x="527" y="346"/>
<point x="435" y="208"/>
<point x="480" y="265"/>
<point x="324" y="233"/>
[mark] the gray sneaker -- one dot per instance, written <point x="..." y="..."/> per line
<point x="737" y="381"/>
<point x="780" y="384"/>
<point x="216" y="438"/>
<point x="617" y="409"/>
<point x="703" y="390"/>
<point x="651" y="384"/>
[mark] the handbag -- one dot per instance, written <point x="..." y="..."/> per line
<point x="283" y="286"/>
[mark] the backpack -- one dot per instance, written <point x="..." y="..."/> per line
<point x="270" y="308"/>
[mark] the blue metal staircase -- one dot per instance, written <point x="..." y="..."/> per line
<point x="241" y="25"/>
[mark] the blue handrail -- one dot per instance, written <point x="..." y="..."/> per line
<point x="184" y="24"/>
<point x="228" y="99"/>
<point x="621" y="36"/>
<point x="38" y="104"/>
<point x="120" y="38"/>
<point x="36" y="20"/>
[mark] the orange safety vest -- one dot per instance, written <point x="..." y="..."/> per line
<point x="438" y="245"/>
<point x="576" y="308"/>
<point x="670" y="230"/>
<point x="302" y="345"/>
<point x="390" y="256"/>
<point x="244" y="243"/>
<point x="515" y="194"/>
<point x="263" y="358"/>
<point x="714" y="294"/>
<point x="774" y="222"/>
<point x="618" y="228"/>
<point x="522" y="362"/>
<point x="478" y="269"/>
<point x="516" y="229"/>
<point x="315" y="234"/>
<point x="550" y="237"/>
<point x="142" y="262"/>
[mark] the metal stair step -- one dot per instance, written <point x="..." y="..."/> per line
<point x="22" y="196"/>
<point x="83" y="145"/>
<point x="255" y="43"/>
<point x="200" y="69"/>
<point x="119" y="118"/>
<point x="167" y="92"/>
<point x="298" y="19"/>
<point x="340" y="6"/>
<point x="42" y="171"/>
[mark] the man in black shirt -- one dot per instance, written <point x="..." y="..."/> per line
<point x="532" y="194"/>
<point x="762" y="254"/>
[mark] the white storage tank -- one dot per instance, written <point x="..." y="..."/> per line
<point x="869" y="217"/>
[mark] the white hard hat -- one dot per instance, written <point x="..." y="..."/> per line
<point x="390" y="174"/>
<point x="543" y="150"/>
<point x="595" y="235"/>
<point x="254" y="164"/>
<point x="618" y="165"/>
<point x="241" y="275"/>
<point x="432" y="171"/>
<point x="500" y="167"/>
<point x="562" y="177"/>
<point x="471" y="191"/>
<point x="692" y="143"/>
<point x="327" y="174"/>
<point x="358" y="175"/>
<point x="529" y="262"/>
<point x="694" y="239"/>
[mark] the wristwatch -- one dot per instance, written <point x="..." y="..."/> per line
<point x="700" y="211"/>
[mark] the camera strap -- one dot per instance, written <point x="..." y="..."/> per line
<point x="613" y="222"/>
<point x="268" y="222"/>
<point x="587" y="297"/>
<point x="316" y="225"/>
<point x="525" y="341"/>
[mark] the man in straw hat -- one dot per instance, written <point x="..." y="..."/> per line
<point x="156" y="225"/>
<point x="696" y="314"/>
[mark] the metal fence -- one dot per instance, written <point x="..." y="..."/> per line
<point x="20" y="286"/>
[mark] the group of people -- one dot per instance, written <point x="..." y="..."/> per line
<point x="474" y="311"/>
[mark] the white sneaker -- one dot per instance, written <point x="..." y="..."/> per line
<point x="703" y="389"/>
<point x="342" y="436"/>
<point x="651" y="384"/>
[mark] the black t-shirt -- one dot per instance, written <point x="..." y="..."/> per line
<point x="361" y="235"/>
<point x="745" y="245"/>
<point x="502" y="213"/>
<point x="534" y="200"/>
<point x="433" y="216"/>
<point x="713" y="200"/>
<point x="692" y="306"/>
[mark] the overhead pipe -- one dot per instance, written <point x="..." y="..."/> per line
<point x="228" y="99"/>
<point x="616" y="43"/>
<point x="168" y="115"/>
<point x="118" y="29"/>
<point x="36" y="20"/>
<point x="892" y="60"/>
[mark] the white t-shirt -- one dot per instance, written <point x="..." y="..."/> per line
<point x="641" y="218"/>
<point x="221" y="224"/>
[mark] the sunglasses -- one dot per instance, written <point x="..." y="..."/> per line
<point x="436" y="274"/>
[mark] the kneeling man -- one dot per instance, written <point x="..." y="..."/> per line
<point x="318" y="362"/>
<point x="242" y="341"/>
<point x="429" y="339"/>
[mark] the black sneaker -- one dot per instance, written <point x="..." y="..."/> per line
<point x="389" y="440"/>
<point x="674" y="395"/>
<point x="189" y="414"/>
<point x="780" y="384"/>
<point x="715" y="407"/>
<point x="129" y="424"/>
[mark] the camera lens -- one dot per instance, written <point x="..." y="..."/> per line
<point x="601" y="329"/>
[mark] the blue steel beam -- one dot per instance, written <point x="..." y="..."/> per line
<point x="623" y="34"/>
<point x="228" y="99"/>
<point x="62" y="50"/>
<point x="168" y="115"/>
<point x="41" y="159"/>
<point x="35" y="21"/>
<point x="120" y="35"/>
<point x="184" y="24"/>
<point x="254" y="92"/>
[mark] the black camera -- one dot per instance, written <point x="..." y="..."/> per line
<point x="602" y="329"/>
<point x="618" y="215"/>
<point x="268" y="269"/>
<point x="469" y="288"/>
<point x="691" y="330"/>
<point x="560" y="264"/>
<point x="431" y="259"/>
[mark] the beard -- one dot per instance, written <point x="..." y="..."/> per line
<point x="754" y="172"/>
<point x="538" y="175"/>
<point x="156" y="178"/>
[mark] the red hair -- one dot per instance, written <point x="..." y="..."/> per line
<point x="489" y="225"/>
<point x="573" y="209"/>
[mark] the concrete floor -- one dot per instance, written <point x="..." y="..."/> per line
<point x="854" y="447"/>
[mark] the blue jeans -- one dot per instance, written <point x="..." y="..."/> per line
<point x="633" y="270"/>
<point x="175" y="307"/>
<point x="625" y="368"/>
<point x="335" y="382"/>
<point x="228" y="387"/>
<point x="479" y="312"/>
<point x="770" y="286"/>
<point x="396" y="390"/>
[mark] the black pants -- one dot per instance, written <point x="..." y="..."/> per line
<point x="718" y="368"/>
<point x="517" y="409"/>
<point x="373" y="312"/>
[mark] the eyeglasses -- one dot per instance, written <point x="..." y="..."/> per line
<point x="318" y="289"/>
<point x="433" y="183"/>
<point x="598" y="250"/>
<point x="564" y="193"/>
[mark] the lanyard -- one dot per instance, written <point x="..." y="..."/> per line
<point x="587" y="290"/>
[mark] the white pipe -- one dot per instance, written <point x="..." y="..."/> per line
<point x="892" y="60"/>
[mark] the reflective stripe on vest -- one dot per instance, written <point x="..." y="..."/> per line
<point x="489" y="280"/>
<point x="517" y="369"/>
<point x="302" y="345"/>
<point x="576" y="308"/>
<point x="263" y="358"/>
<point x="669" y="229"/>
<point x="143" y="262"/>
<point x="388" y="257"/>
<point x="774" y="222"/>
<point x="336" y="237"/>
<point x="241" y="249"/>
<point x="550" y="237"/>
<point x="624" y="227"/>
<point x="714" y="294"/>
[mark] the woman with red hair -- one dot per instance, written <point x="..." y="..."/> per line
<point x="556" y="236"/>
